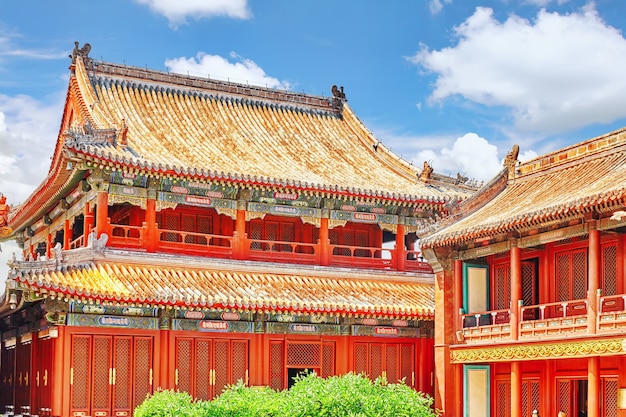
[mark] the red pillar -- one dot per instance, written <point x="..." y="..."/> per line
<point x="102" y="213"/>
<point x="593" y="381"/>
<point x="67" y="235"/>
<point x="151" y="226"/>
<point x="400" y="251"/>
<point x="239" y="241"/>
<point x="516" y="289"/>
<point x="48" y="244"/>
<point x="621" y="384"/>
<point x="87" y="224"/>
<point x="324" y="242"/>
<point x="594" y="278"/>
<point x="458" y="293"/>
<point x="516" y="389"/>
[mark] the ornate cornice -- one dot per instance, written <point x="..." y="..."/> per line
<point x="555" y="350"/>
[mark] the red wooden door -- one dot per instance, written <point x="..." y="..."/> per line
<point x="394" y="361"/>
<point x="22" y="375"/>
<point x="110" y="375"/>
<point x="205" y="366"/>
<point x="42" y="374"/>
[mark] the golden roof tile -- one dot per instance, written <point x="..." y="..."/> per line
<point x="214" y="288"/>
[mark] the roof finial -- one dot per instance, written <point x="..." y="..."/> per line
<point x="82" y="52"/>
<point x="511" y="161"/>
<point x="339" y="97"/>
<point x="425" y="174"/>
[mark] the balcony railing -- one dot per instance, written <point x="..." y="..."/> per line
<point x="548" y="320"/>
<point x="194" y="243"/>
<point x="283" y="251"/>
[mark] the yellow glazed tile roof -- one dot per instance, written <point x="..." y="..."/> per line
<point x="224" y="289"/>
<point x="199" y="127"/>
<point x="590" y="176"/>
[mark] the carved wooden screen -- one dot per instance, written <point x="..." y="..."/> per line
<point x="7" y="358"/>
<point x="80" y="375"/>
<point x="608" y="406"/>
<point x="143" y="369"/>
<point x="277" y="365"/>
<point x="564" y="395"/>
<point x="530" y="396"/>
<point x="571" y="275"/>
<point x="395" y="361"/>
<point x="502" y="286"/>
<point x="327" y="367"/>
<point x="502" y="399"/>
<point x="609" y="270"/>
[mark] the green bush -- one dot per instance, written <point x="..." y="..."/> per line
<point x="349" y="395"/>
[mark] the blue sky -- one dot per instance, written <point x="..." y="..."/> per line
<point x="454" y="82"/>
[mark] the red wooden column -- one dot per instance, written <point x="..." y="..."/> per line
<point x="516" y="389"/>
<point x="48" y="244"/>
<point x="102" y="213"/>
<point x="516" y="289"/>
<point x="67" y="234"/>
<point x="621" y="384"/>
<point x="458" y="293"/>
<point x="593" y="387"/>
<point x="324" y="240"/>
<point x="239" y="240"/>
<point x="87" y="224"/>
<point x="400" y="251"/>
<point x="151" y="226"/>
<point x="594" y="278"/>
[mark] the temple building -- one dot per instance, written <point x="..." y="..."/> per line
<point x="530" y="288"/>
<point x="192" y="233"/>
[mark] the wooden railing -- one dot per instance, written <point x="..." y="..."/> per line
<point x="611" y="313"/>
<point x="79" y="242"/>
<point x="554" y="319"/>
<point x="126" y="236"/>
<point x="194" y="243"/>
<point x="361" y="256"/>
<point x="283" y="251"/>
<point x="485" y="325"/>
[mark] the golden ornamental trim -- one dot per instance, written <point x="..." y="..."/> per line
<point x="543" y="351"/>
<point x="315" y="221"/>
<point x="160" y="205"/>
<point x="251" y="215"/>
<point x="232" y="213"/>
<point x="393" y="228"/>
<point x="336" y="223"/>
<point x="120" y="199"/>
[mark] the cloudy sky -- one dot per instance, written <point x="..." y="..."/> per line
<point x="453" y="82"/>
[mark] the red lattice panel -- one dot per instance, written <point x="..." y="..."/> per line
<point x="239" y="361"/>
<point x="220" y="364"/>
<point x="183" y="364"/>
<point x="328" y="360"/>
<point x="122" y="373"/>
<point x="203" y="368"/>
<point x="304" y="355"/>
<point x="376" y="360"/>
<point x="277" y="366"/>
<point x="407" y="364"/>
<point x="256" y="233"/>
<point x="171" y="223"/>
<point x="609" y="398"/>
<point x="609" y="270"/>
<point x="528" y="283"/>
<point x="360" y="358"/>
<point x="503" y="285"/>
<point x="530" y="397"/>
<point x="579" y="265"/>
<point x="563" y="399"/>
<point x="503" y="399"/>
<point x="563" y="276"/>
<point x="101" y="372"/>
<point x="143" y="366"/>
<point x="391" y="355"/>
<point x="80" y="365"/>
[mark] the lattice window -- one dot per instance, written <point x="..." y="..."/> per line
<point x="563" y="276"/>
<point x="503" y="399"/>
<point x="239" y="361"/>
<point x="609" y="270"/>
<point x="102" y="372"/>
<point x="122" y="373"/>
<point x="303" y="355"/>
<point x="407" y="364"/>
<point x="360" y="358"/>
<point x="328" y="360"/>
<point x="530" y="396"/>
<point x="171" y="222"/>
<point x="391" y="354"/>
<point x="80" y="376"/>
<point x="189" y="225"/>
<point x="256" y="233"/>
<point x="609" y="397"/>
<point x="220" y="365"/>
<point x="579" y="266"/>
<point x="203" y="367"/>
<point x="528" y="283"/>
<point x="563" y="396"/>
<point x="277" y="366"/>
<point x="143" y="365"/>
<point x="183" y="364"/>
<point x="502" y="287"/>
<point x="376" y="360"/>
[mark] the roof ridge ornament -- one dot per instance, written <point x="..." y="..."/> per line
<point x="426" y="172"/>
<point x="510" y="161"/>
<point x="339" y="97"/>
<point x="82" y="52"/>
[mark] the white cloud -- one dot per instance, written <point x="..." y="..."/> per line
<point x="178" y="11"/>
<point x="555" y="74"/>
<point x="436" y="5"/>
<point x="241" y="70"/>
<point x="543" y="3"/>
<point x="28" y="132"/>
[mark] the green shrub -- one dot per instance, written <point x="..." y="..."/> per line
<point x="349" y="395"/>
